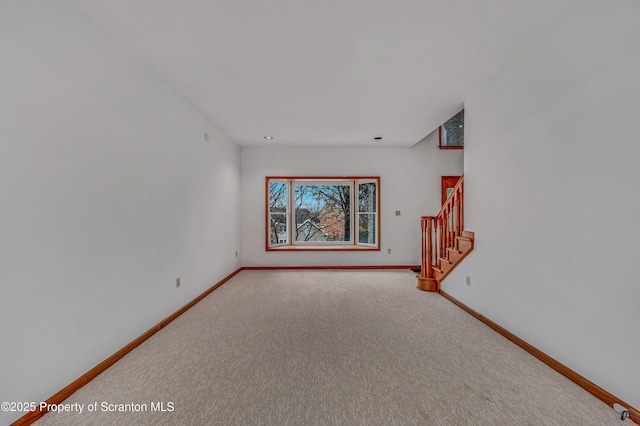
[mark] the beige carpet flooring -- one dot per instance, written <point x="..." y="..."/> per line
<point x="332" y="348"/>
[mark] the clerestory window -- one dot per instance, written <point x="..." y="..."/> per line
<point x="452" y="132"/>
<point x="323" y="213"/>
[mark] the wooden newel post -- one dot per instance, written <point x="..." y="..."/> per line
<point x="423" y="256"/>
<point x="426" y="281"/>
<point x="429" y="259"/>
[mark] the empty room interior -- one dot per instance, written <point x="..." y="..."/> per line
<point x="292" y="156"/>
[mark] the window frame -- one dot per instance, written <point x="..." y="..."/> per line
<point x="447" y="182"/>
<point x="442" y="129"/>
<point x="353" y="244"/>
<point x="285" y="213"/>
<point x="358" y="213"/>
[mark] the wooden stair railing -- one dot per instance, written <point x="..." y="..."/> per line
<point x="444" y="241"/>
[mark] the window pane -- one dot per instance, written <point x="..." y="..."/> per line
<point x="277" y="197"/>
<point x="278" y="229"/>
<point x="366" y="228"/>
<point x="367" y="197"/>
<point x="453" y="131"/>
<point x="322" y="212"/>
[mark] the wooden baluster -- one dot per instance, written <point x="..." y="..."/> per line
<point x="454" y="217"/>
<point x="446" y="232"/>
<point x="462" y="206"/>
<point x="442" y="236"/>
<point x="453" y="222"/>
<point x="449" y="217"/>
<point x="438" y="239"/>
<point x="458" y="209"/>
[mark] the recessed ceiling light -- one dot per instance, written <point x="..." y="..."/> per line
<point x="268" y="137"/>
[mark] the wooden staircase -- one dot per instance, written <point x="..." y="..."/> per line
<point x="454" y="255"/>
<point x="444" y="241"/>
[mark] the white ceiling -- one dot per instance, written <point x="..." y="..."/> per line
<point x="328" y="72"/>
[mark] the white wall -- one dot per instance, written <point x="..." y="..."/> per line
<point x="551" y="191"/>
<point x="108" y="192"/>
<point x="409" y="182"/>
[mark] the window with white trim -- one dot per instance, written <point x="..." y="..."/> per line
<point x="367" y="212"/>
<point x="326" y="213"/>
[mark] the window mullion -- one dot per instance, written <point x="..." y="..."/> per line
<point x="353" y="214"/>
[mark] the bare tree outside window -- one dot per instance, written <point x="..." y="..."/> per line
<point x="278" y="212"/>
<point x="367" y="212"/>
<point x="322" y="212"/>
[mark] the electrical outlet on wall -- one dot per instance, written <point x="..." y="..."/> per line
<point x="388" y="251"/>
<point x="177" y="282"/>
<point x="468" y="280"/>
